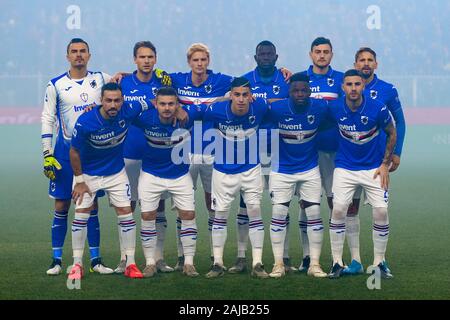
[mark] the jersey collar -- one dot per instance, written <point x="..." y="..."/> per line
<point x="230" y="115"/>
<point x="139" y="82"/>
<point x="207" y="81"/>
<point x="360" y="108"/>
<point x="311" y="74"/>
<point x="372" y="83"/>
<point x="257" y="77"/>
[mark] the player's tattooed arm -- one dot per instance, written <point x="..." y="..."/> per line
<point x="80" y="187"/>
<point x="383" y="170"/>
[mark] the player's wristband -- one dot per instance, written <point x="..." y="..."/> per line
<point x="79" y="179"/>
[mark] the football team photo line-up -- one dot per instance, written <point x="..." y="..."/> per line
<point x="149" y="135"/>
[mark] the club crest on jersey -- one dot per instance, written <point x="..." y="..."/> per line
<point x="84" y="96"/>
<point x="364" y="120"/>
<point x="276" y="89"/>
<point x="311" y="119"/>
<point x="93" y="84"/>
<point x="330" y="82"/>
<point x="53" y="186"/>
<point x="373" y="94"/>
<point x="208" y="88"/>
<point x="154" y="91"/>
<point x="252" y="119"/>
<point x="122" y="123"/>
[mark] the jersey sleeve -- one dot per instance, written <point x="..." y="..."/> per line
<point x="106" y="77"/>
<point x="48" y="118"/>
<point x="384" y="117"/>
<point x="393" y="102"/>
<point x="78" y="136"/>
<point x="400" y="125"/>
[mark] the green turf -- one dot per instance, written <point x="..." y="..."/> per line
<point x="418" y="250"/>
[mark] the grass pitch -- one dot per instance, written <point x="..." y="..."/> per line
<point x="418" y="249"/>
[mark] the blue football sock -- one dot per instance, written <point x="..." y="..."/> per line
<point x="93" y="235"/>
<point x="59" y="230"/>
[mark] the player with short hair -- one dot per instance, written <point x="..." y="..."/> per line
<point x="66" y="97"/>
<point x="161" y="173"/>
<point x="325" y="83"/>
<point x="361" y="162"/>
<point x="298" y="119"/>
<point x="140" y="87"/>
<point x="199" y="86"/>
<point x="267" y="82"/>
<point x="375" y="88"/>
<point x="96" y="156"/>
<point x="237" y="169"/>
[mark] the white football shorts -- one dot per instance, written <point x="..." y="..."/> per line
<point x="152" y="188"/>
<point x="226" y="186"/>
<point x="116" y="186"/>
<point x="346" y="182"/>
<point x="307" y="185"/>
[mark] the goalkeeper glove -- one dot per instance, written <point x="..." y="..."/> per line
<point x="50" y="166"/>
<point x="164" y="77"/>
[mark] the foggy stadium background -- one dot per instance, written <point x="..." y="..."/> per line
<point x="412" y="41"/>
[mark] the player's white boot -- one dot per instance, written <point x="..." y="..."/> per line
<point x="316" y="271"/>
<point x="121" y="267"/>
<point x="101" y="269"/>
<point x="55" y="268"/>
<point x="278" y="271"/>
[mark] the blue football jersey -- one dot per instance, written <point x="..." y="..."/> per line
<point x="276" y="88"/>
<point x="298" y="132"/>
<point x="387" y="94"/>
<point x="359" y="145"/>
<point x="237" y="145"/>
<point x="161" y="140"/>
<point x="100" y="141"/>
<point x="215" y="87"/>
<point x="326" y="86"/>
<point x="138" y="93"/>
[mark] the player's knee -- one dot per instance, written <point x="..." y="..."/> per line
<point x="62" y="205"/>
<point x="280" y="209"/>
<point x="380" y="214"/>
<point x="339" y="210"/>
<point x="254" y="210"/>
<point x="123" y="210"/>
<point x="306" y="204"/>
<point x="149" y="215"/>
<point x="186" y="214"/>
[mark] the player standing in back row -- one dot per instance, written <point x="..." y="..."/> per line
<point x="325" y="83"/>
<point x="66" y="97"/>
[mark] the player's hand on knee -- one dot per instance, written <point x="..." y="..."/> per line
<point x="78" y="192"/>
<point x="395" y="163"/>
<point x="383" y="172"/>
<point x="50" y="166"/>
<point x="165" y="78"/>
